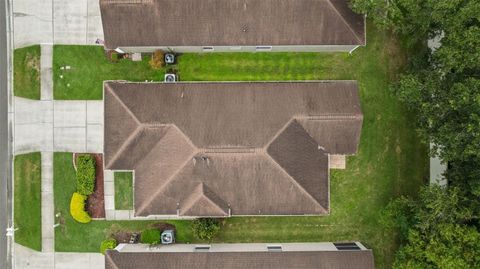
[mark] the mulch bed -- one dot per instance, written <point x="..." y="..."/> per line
<point x="124" y="236"/>
<point x="96" y="201"/>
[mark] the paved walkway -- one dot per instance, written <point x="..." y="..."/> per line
<point x="48" y="213"/>
<point x="56" y="260"/>
<point x="56" y="21"/>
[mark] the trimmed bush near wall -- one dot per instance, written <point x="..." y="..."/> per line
<point x="85" y="174"/>
<point x="151" y="236"/>
<point x="107" y="244"/>
<point x="77" y="208"/>
<point x="205" y="228"/>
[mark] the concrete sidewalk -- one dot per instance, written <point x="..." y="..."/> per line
<point x="56" y="21"/>
<point x="56" y="260"/>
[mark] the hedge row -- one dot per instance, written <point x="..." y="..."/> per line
<point x="85" y="174"/>
<point x="77" y="208"/>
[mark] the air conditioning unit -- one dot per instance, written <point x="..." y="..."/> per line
<point x="169" y="58"/>
<point x="170" y="78"/>
<point x="168" y="237"/>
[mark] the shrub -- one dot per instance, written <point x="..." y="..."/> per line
<point x="150" y="236"/>
<point x="85" y="174"/>
<point x="107" y="244"/>
<point x="158" y="59"/>
<point x="205" y="228"/>
<point x="77" y="208"/>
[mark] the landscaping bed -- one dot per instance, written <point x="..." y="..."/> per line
<point x="72" y="236"/>
<point x="96" y="201"/>
<point x="28" y="200"/>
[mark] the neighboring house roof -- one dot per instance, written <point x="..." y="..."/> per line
<point x="215" y="149"/>
<point x="241" y="258"/>
<point x="151" y="23"/>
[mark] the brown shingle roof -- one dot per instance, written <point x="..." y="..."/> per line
<point x="241" y="260"/>
<point x="130" y="23"/>
<point x="256" y="148"/>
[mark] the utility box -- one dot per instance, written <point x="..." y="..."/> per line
<point x="168" y="237"/>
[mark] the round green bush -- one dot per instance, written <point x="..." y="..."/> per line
<point x="107" y="244"/>
<point x="205" y="228"/>
<point x="151" y="236"/>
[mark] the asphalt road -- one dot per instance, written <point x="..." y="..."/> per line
<point x="5" y="149"/>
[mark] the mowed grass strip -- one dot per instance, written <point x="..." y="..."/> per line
<point x="27" y="200"/>
<point x="26" y="72"/>
<point x="123" y="190"/>
<point x="89" y="68"/>
<point x="72" y="236"/>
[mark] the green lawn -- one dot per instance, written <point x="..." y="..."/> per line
<point x="89" y="68"/>
<point x="123" y="190"/>
<point x="27" y="200"/>
<point x="26" y="72"/>
<point x="72" y="236"/>
<point x="391" y="161"/>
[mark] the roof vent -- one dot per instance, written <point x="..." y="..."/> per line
<point x="347" y="246"/>
<point x="202" y="248"/>
<point x="274" y="248"/>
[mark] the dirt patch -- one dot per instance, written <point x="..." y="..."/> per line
<point x="162" y="226"/>
<point x="122" y="236"/>
<point x="96" y="201"/>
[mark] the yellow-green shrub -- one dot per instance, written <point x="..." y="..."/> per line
<point x="77" y="208"/>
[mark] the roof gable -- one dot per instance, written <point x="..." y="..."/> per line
<point x="129" y="23"/>
<point x="303" y="159"/>
<point x="204" y="203"/>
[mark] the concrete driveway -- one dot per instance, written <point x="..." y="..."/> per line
<point x="64" y="126"/>
<point x="56" y="21"/>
